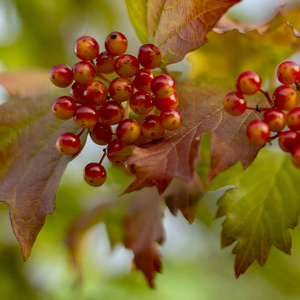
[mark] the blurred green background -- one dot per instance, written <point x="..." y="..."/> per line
<point x="40" y="34"/>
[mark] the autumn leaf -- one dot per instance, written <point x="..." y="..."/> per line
<point x="176" y="155"/>
<point x="176" y="26"/>
<point x="260" y="209"/>
<point x="247" y="47"/>
<point x="144" y="231"/>
<point x="31" y="167"/>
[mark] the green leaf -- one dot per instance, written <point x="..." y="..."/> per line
<point x="137" y="10"/>
<point x="260" y="209"/>
<point x="176" y="26"/>
<point x="31" y="167"/>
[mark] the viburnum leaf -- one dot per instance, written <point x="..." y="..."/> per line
<point x="31" y="167"/>
<point x="144" y="231"/>
<point x="176" y="26"/>
<point x="260" y="209"/>
<point x="201" y="106"/>
<point x="260" y="48"/>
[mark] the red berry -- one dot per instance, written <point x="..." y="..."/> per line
<point x="68" y="143"/>
<point x="105" y="63"/>
<point x="111" y="112"/>
<point x="258" y="132"/>
<point x="163" y="86"/>
<point x="171" y="119"/>
<point x="295" y="156"/>
<point x="248" y="83"/>
<point x="275" y="118"/>
<point x="142" y="80"/>
<point x="95" y="93"/>
<point x="94" y="174"/>
<point x="76" y="91"/>
<point x="152" y="128"/>
<point x="84" y="72"/>
<point x="126" y="65"/>
<point x="61" y="75"/>
<point x="86" y="48"/>
<point x="101" y="134"/>
<point x="293" y="119"/>
<point x="120" y="89"/>
<point x="285" y="97"/>
<point x="64" y="107"/>
<point x="116" y="43"/>
<point x="149" y="56"/>
<point x="128" y="131"/>
<point x="86" y="116"/>
<point x="163" y="104"/>
<point x="234" y="103"/>
<point x="141" y="103"/>
<point x="288" y="140"/>
<point x="288" y="72"/>
<point x="111" y="151"/>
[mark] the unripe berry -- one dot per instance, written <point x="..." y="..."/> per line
<point x="61" y="75"/>
<point x="116" y="43"/>
<point x="171" y="119"/>
<point x="285" y="97"/>
<point x="128" y="131"/>
<point x="288" y="72"/>
<point x="77" y="91"/>
<point x="275" y="118"/>
<point x="86" y="116"/>
<point x="149" y="56"/>
<point x="86" y="48"/>
<point x="248" y="83"/>
<point x="94" y="174"/>
<point x="126" y="65"/>
<point x="120" y="89"/>
<point x="152" y="128"/>
<point x="84" y="72"/>
<point x="68" y="143"/>
<point x="142" y="80"/>
<point x="111" y="112"/>
<point x="258" y="132"/>
<point x="111" y="151"/>
<point x="234" y="103"/>
<point x="64" y="107"/>
<point x="163" y="86"/>
<point x="295" y="156"/>
<point x="293" y="119"/>
<point x="164" y="104"/>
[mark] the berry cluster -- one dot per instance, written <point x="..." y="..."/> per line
<point x="103" y="109"/>
<point x="283" y="111"/>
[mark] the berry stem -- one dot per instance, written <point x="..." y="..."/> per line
<point x="127" y="109"/>
<point x="81" y="132"/>
<point x="266" y="94"/>
<point x="166" y="71"/>
<point x="103" y="156"/>
<point x="271" y="138"/>
<point x="105" y="78"/>
<point x="258" y="109"/>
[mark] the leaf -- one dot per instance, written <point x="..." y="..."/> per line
<point x="176" y="26"/>
<point x="31" y="167"/>
<point x="260" y="209"/>
<point x="144" y="231"/>
<point x="247" y="47"/>
<point x="156" y="163"/>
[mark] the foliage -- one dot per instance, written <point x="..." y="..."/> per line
<point x="209" y="151"/>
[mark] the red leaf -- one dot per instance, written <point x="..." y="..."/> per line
<point x="143" y="232"/>
<point x="31" y="167"/>
<point x="156" y="163"/>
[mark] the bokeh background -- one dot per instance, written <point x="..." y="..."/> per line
<point x="40" y="34"/>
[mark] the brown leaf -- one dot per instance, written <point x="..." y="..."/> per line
<point x="156" y="163"/>
<point x="144" y="231"/>
<point x="181" y="26"/>
<point x="31" y="167"/>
